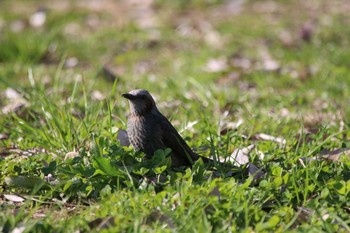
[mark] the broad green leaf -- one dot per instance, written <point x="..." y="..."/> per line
<point x="159" y="170"/>
<point x="105" y="167"/>
<point x="27" y="182"/>
<point x="278" y="181"/>
<point x="324" y="193"/>
<point x="273" y="221"/>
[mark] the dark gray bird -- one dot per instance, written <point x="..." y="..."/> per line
<point x="148" y="130"/>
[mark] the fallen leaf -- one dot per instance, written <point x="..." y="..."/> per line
<point x="38" y="19"/>
<point x="188" y="126"/>
<point x="143" y="14"/>
<point x="93" y="21"/>
<point x="18" y="229"/>
<point x="229" y="126"/>
<point x="4" y="136"/>
<point x="239" y="61"/>
<point x="17" y="26"/>
<point x="267" y="63"/>
<point x="284" y="112"/>
<point x="287" y="39"/>
<point x="12" y="94"/>
<point x="71" y="62"/>
<point x="72" y="29"/>
<point x="97" y="95"/>
<point x="213" y="38"/>
<point x="71" y="155"/>
<point x="325" y="217"/>
<point x="301" y="161"/>
<point x="266" y="137"/>
<point x="13" y="198"/>
<point x="335" y="155"/>
<point x="270" y="65"/>
<point x="240" y="156"/>
<point x="229" y="79"/>
<point x="39" y="215"/>
<point x="15" y="106"/>
<point x="216" y="65"/>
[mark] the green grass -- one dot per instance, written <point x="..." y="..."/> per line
<point x="111" y="188"/>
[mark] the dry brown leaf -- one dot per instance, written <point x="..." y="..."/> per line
<point x="97" y="95"/>
<point x="240" y="156"/>
<point x="239" y="61"/>
<point x="213" y="38"/>
<point x="13" y="198"/>
<point x="71" y="155"/>
<point x="301" y="161"/>
<point x="287" y="39"/>
<point x="71" y="62"/>
<point x="12" y="94"/>
<point x="26" y="153"/>
<point x="39" y="215"/>
<point x="267" y="62"/>
<point x="229" y="79"/>
<point x="335" y="155"/>
<point x="143" y="13"/>
<point x="188" y="127"/>
<point x="266" y="137"/>
<point x="38" y="19"/>
<point x="4" y="136"/>
<point x="18" y="26"/>
<point x="284" y="112"/>
<point x="229" y="126"/>
<point x="15" y="106"/>
<point x="16" y="103"/>
<point x="216" y="65"/>
<point x="18" y="229"/>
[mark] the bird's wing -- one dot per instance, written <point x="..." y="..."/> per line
<point x="172" y="139"/>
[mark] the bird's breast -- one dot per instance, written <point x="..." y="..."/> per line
<point x="144" y="134"/>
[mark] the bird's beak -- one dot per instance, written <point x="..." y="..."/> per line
<point x="129" y="96"/>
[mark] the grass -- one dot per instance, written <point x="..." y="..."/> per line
<point x="268" y="76"/>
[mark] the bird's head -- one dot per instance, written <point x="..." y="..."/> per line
<point x="141" y="102"/>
